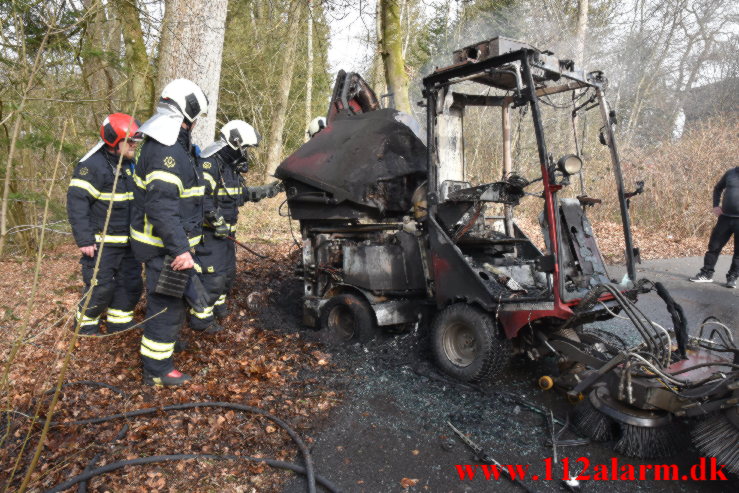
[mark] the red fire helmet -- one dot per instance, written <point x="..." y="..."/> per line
<point x="117" y="127"/>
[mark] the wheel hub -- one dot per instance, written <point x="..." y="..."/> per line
<point x="341" y="322"/>
<point x="460" y="344"/>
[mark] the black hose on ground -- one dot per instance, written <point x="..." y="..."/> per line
<point x="308" y="470"/>
<point x="82" y="488"/>
<point x="177" y="457"/>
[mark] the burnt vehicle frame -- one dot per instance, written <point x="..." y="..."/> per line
<point x="389" y="239"/>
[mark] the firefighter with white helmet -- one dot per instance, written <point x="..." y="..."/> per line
<point x="166" y="224"/>
<point x="223" y="162"/>
<point x="316" y="125"/>
<point x="90" y="193"/>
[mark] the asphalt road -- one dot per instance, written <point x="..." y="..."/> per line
<point x="392" y="423"/>
<point x="699" y="300"/>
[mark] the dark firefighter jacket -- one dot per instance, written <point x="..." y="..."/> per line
<point x="89" y="195"/>
<point x="225" y="190"/>
<point x="167" y="213"/>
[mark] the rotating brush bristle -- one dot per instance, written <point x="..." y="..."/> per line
<point x="648" y="442"/>
<point x="636" y="432"/>
<point x="590" y="422"/>
<point x="718" y="436"/>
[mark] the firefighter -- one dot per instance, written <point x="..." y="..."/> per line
<point x="118" y="286"/>
<point x="223" y="162"/>
<point x="167" y="224"/>
<point x="316" y="125"/>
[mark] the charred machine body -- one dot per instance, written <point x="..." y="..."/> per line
<point x="395" y="232"/>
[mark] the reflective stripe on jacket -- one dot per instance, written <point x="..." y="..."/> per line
<point x="167" y="212"/>
<point x="224" y="189"/>
<point x="90" y="192"/>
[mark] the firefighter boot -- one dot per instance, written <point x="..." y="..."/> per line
<point x="180" y="345"/>
<point x="213" y="328"/>
<point x="220" y="310"/>
<point x="171" y="379"/>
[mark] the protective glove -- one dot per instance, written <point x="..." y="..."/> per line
<point x="218" y="224"/>
<point x="274" y="188"/>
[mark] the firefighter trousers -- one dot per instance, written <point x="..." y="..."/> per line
<point x="165" y="316"/>
<point x="118" y="288"/>
<point x="217" y="258"/>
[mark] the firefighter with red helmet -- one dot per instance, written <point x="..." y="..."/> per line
<point x="90" y="193"/>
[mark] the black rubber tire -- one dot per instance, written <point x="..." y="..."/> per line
<point x="347" y="318"/>
<point x="465" y="344"/>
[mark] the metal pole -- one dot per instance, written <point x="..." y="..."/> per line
<point x="431" y="150"/>
<point x="507" y="163"/>
<point x="625" y="219"/>
<point x="550" y="194"/>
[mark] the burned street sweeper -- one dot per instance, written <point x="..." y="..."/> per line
<point x="396" y="232"/>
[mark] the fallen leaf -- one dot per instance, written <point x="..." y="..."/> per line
<point x="408" y="482"/>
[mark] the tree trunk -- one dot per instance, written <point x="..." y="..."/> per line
<point x="378" y="79"/>
<point x="96" y="71"/>
<point x="192" y="47"/>
<point x="309" y="76"/>
<point x="140" y="83"/>
<point x="279" y="115"/>
<point x="392" y="55"/>
<point x="581" y="31"/>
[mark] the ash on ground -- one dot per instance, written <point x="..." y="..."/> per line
<point x="390" y="431"/>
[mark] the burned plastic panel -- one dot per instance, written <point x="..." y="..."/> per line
<point x="582" y="264"/>
<point x="370" y="160"/>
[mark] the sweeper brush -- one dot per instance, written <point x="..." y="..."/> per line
<point x="589" y="422"/>
<point x="644" y="397"/>
<point x="636" y="432"/>
<point x="718" y="436"/>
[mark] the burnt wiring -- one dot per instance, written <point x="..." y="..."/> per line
<point x="726" y="331"/>
<point x="289" y="221"/>
<point x="464" y="229"/>
<point x="91" y="471"/>
<point x="334" y="272"/>
<point x="546" y="99"/>
<point x="656" y="347"/>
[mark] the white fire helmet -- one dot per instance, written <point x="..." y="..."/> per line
<point x="316" y="125"/>
<point x="181" y="100"/>
<point x="237" y="134"/>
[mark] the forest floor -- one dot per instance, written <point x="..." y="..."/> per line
<point x="368" y="412"/>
